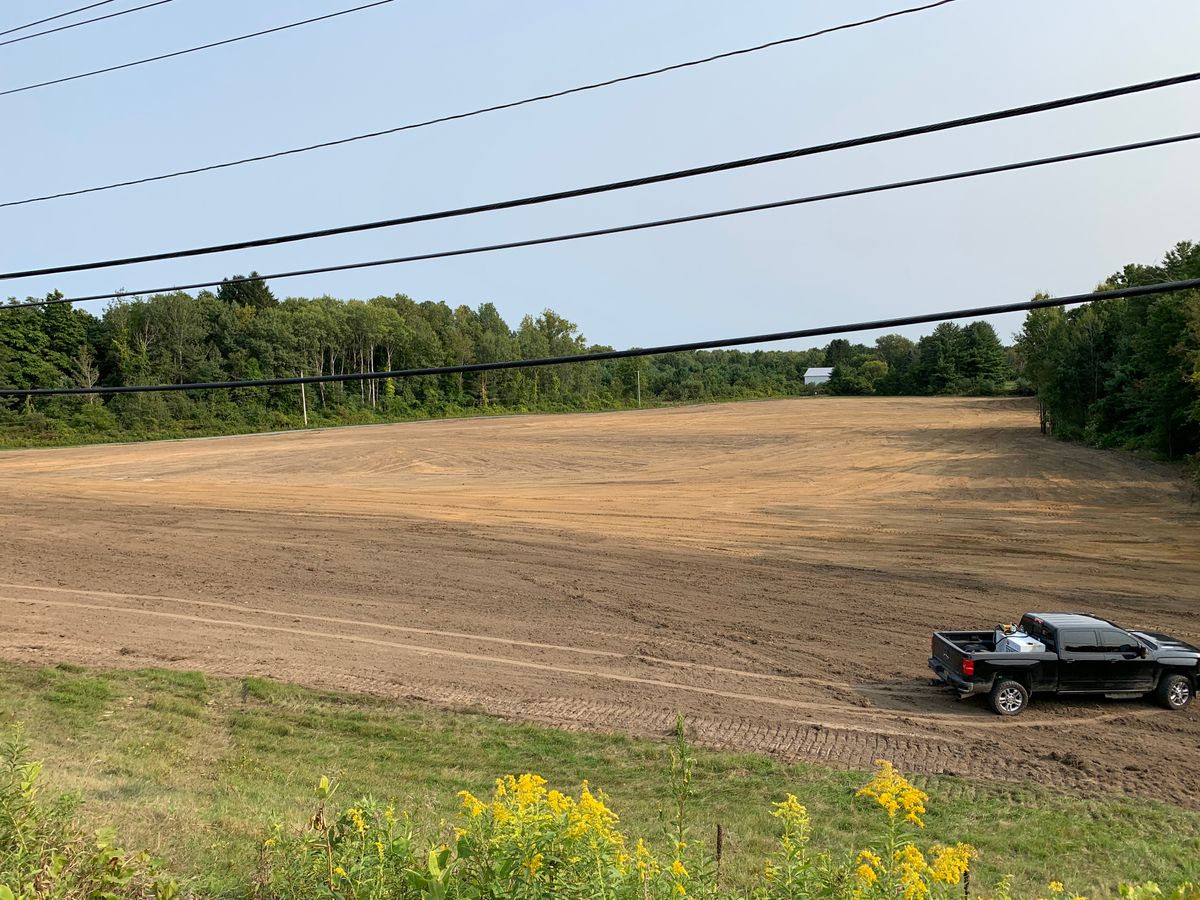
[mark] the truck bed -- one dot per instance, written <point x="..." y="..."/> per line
<point x="951" y="648"/>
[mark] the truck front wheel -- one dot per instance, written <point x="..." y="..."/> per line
<point x="1008" y="697"/>
<point x="1174" y="691"/>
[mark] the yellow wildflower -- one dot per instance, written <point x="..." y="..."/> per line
<point x="356" y="817"/>
<point x="534" y="864"/>
<point x="894" y="793"/>
<point x="951" y="863"/>
<point x="681" y="890"/>
<point x="871" y="859"/>
<point x="590" y="816"/>
<point x="558" y="802"/>
<point x="525" y="790"/>
<point x="472" y="804"/>
<point x="269" y="843"/>
<point x="866" y="874"/>
<point x="379" y="848"/>
<point x="791" y="810"/>
<point x="1056" y="887"/>
<point x="795" y="823"/>
<point x="678" y="870"/>
<point x="339" y="871"/>
<point x="644" y="861"/>
<point x="912" y="870"/>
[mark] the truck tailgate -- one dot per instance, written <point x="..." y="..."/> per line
<point x="947" y="652"/>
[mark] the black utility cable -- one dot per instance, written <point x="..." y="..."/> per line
<point x="69" y="12"/>
<point x="878" y="324"/>
<point x="639" y="226"/>
<point x="221" y="43"/>
<point x="608" y="187"/>
<point x="477" y="112"/>
<point x="123" y="12"/>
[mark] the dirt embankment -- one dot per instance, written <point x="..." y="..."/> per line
<point x="772" y="570"/>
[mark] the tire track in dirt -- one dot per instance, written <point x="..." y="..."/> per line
<point x="907" y="717"/>
<point x="431" y="632"/>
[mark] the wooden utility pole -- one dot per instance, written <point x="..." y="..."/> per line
<point x="639" y="385"/>
<point x="304" y="399"/>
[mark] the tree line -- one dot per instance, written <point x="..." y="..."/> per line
<point x="954" y="359"/>
<point x="242" y="332"/>
<point x="1122" y="373"/>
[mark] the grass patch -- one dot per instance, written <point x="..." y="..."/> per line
<point x="196" y="768"/>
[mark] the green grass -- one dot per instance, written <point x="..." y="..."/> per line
<point x="195" y="768"/>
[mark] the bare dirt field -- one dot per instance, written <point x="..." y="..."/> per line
<point x="772" y="570"/>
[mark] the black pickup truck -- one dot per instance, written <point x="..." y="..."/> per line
<point x="1065" y="653"/>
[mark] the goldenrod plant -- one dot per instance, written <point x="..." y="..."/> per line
<point x="899" y="868"/>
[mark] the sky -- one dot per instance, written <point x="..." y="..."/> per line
<point x="1060" y="229"/>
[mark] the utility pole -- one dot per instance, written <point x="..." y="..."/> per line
<point x="303" y="400"/>
<point x="639" y="385"/>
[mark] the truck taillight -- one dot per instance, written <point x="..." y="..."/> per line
<point x="968" y="667"/>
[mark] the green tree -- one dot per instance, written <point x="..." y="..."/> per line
<point x="254" y="293"/>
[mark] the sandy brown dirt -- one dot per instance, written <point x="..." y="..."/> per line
<point x="773" y="570"/>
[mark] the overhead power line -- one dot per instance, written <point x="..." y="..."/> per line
<point x="639" y="226"/>
<point x="123" y="12"/>
<point x="209" y="46"/>
<point x="608" y="187"/>
<point x="477" y="112"/>
<point x="69" y="12"/>
<point x="878" y="324"/>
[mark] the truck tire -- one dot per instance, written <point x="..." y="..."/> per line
<point x="1008" y="697"/>
<point x="1174" y="691"/>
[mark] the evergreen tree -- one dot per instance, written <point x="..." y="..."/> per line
<point x="254" y="294"/>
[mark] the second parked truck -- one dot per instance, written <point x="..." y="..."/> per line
<point x="1065" y="653"/>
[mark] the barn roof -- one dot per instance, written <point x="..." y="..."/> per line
<point x="819" y="370"/>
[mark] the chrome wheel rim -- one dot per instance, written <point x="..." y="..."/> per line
<point x="1010" y="700"/>
<point x="1178" y="693"/>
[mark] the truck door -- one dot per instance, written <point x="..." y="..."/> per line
<point x="1128" y="669"/>
<point x="1083" y="662"/>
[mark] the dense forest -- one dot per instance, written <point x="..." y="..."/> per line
<point x="243" y="332"/>
<point x="1122" y="373"/>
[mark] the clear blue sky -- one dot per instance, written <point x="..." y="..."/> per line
<point x="997" y="239"/>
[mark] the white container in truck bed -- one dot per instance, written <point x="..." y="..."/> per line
<point x="1020" y="643"/>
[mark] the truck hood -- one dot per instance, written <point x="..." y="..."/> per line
<point x="1168" y="643"/>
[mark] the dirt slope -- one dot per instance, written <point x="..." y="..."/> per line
<point x="772" y="570"/>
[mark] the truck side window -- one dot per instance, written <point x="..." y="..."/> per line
<point x="1114" y="641"/>
<point x="1080" y="641"/>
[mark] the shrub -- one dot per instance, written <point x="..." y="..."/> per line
<point x="45" y="854"/>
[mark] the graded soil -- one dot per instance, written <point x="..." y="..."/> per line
<point x="772" y="570"/>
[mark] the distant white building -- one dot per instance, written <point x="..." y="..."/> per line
<point x="817" y="375"/>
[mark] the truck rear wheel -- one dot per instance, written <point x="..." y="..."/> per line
<point x="1008" y="697"/>
<point x="1174" y="691"/>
